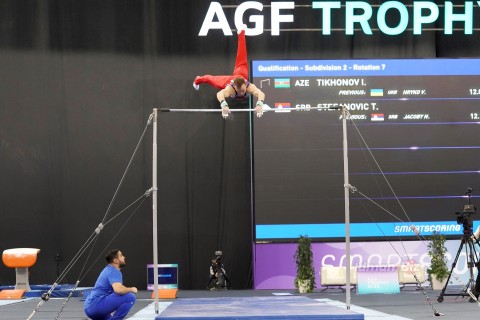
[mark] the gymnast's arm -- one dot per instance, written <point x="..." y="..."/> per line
<point x="221" y="96"/>
<point x="225" y="93"/>
<point x="257" y="93"/>
<point x="121" y="289"/>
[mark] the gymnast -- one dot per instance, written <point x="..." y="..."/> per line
<point x="110" y="299"/>
<point x="234" y="86"/>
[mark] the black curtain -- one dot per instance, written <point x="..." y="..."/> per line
<point x="79" y="81"/>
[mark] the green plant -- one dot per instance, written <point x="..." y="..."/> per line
<point x="436" y="252"/>
<point x="304" y="261"/>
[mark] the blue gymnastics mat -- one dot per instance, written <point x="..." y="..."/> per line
<point x="61" y="290"/>
<point x="255" y="308"/>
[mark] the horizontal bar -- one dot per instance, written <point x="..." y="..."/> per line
<point x="204" y="110"/>
<point x="265" y="109"/>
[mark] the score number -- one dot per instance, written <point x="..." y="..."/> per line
<point x="475" y="116"/>
<point x="474" y="92"/>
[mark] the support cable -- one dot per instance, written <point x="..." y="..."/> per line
<point x="93" y="263"/>
<point x="413" y="228"/>
<point x="94" y="236"/>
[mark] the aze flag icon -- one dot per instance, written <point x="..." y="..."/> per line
<point x="376" y="117"/>
<point x="376" y="92"/>
<point x="279" y="106"/>
<point x="282" y="83"/>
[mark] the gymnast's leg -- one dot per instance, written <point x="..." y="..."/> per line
<point x="241" y="63"/>
<point x="241" y="67"/>
<point x="218" y="82"/>
<point x="114" y="303"/>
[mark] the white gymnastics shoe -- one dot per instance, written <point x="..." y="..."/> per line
<point x="242" y="28"/>
<point x="196" y="86"/>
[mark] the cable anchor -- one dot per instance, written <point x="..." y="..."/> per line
<point x="99" y="228"/>
<point x="352" y="188"/>
<point x="149" y="192"/>
<point x="150" y="118"/>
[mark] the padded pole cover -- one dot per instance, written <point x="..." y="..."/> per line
<point x="20" y="257"/>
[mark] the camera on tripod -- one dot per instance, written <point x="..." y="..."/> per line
<point x="218" y="277"/>
<point x="465" y="217"/>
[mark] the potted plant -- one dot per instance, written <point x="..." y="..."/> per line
<point x="438" y="270"/>
<point x="305" y="279"/>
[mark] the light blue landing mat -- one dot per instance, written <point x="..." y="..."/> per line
<point x="254" y="308"/>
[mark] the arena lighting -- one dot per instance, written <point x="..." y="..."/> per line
<point x="358" y="16"/>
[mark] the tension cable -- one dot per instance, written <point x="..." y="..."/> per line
<point x="413" y="228"/>
<point x="94" y="236"/>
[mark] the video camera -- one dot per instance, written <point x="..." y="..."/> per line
<point x="465" y="216"/>
<point x="218" y="278"/>
<point x="217" y="262"/>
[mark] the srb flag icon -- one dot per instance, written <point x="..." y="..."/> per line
<point x="280" y="106"/>
<point x="376" y="117"/>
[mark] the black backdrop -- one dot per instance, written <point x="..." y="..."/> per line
<point x="78" y="82"/>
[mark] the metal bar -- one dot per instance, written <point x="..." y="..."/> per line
<point x="265" y="109"/>
<point x="347" y="206"/>
<point x="154" y="211"/>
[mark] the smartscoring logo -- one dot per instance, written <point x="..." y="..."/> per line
<point x="358" y="16"/>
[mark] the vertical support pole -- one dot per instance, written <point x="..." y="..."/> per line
<point x="347" y="206"/>
<point x="154" y="210"/>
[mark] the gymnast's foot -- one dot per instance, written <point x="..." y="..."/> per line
<point x="196" y="86"/>
<point x="242" y="28"/>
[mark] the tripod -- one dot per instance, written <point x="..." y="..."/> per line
<point x="471" y="254"/>
<point x="472" y="261"/>
<point x="218" y="277"/>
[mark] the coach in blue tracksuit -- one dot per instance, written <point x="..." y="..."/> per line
<point x="110" y="299"/>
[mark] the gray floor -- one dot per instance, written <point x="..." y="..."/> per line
<point x="409" y="303"/>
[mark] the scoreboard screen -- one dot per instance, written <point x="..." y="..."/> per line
<point x="413" y="128"/>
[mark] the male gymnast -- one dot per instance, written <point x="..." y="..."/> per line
<point x="235" y="85"/>
<point x="110" y="299"/>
